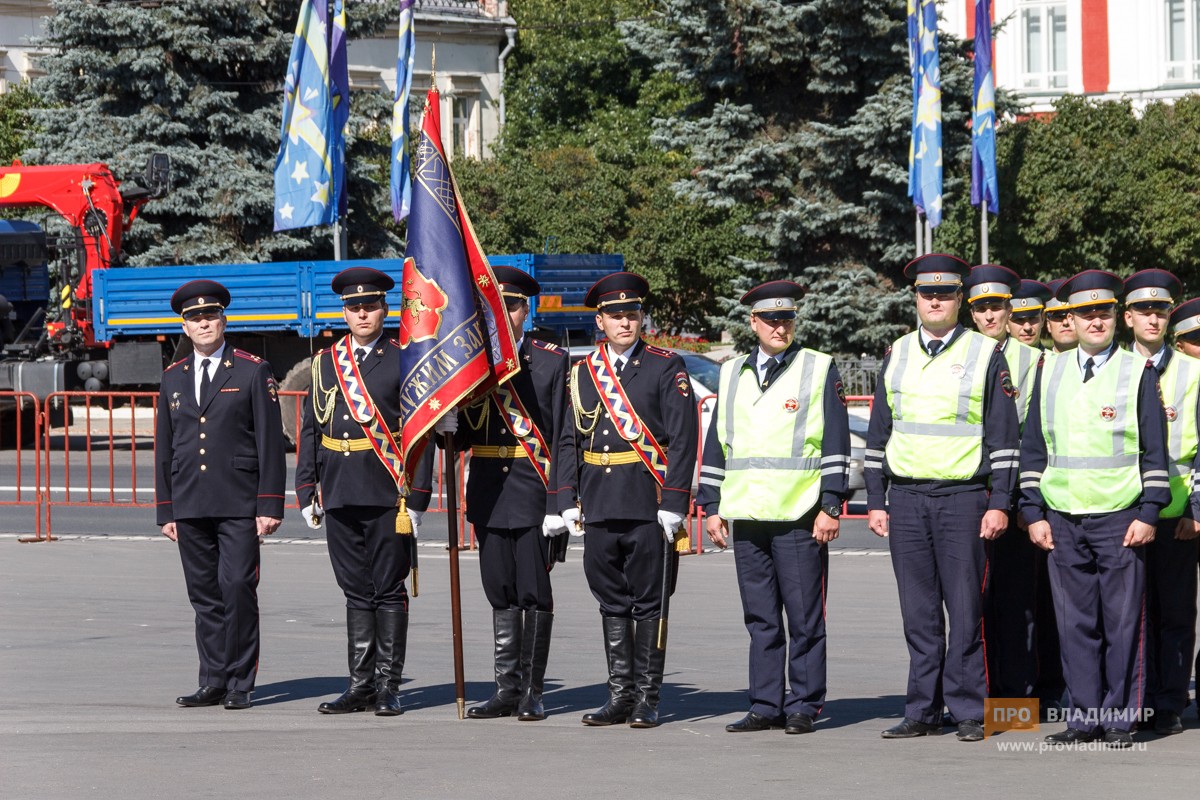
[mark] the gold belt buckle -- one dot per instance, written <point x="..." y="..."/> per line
<point x="345" y="445"/>
<point x="604" y="459"/>
<point x="502" y="451"/>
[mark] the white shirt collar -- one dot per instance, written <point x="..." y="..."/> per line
<point x="371" y="346"/>
<point x="1098" y="360"/>
<point x="215" y="358"/>
<point x="618" y="360"/>
<point x="927" y="337"/>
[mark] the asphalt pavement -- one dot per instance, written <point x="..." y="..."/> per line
<point x="97" y="641"/>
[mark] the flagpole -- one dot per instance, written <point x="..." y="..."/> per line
<point x="339" y="241"/>
<point x="928" y="236"/>
<point x="451" y="465"/>
<point x="920" y="238"/>
<point x="983" y="233"/>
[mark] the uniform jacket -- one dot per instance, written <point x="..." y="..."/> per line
<point x="508" y="493"/>
<point x="225" y="459"/>
<point x="356" y="478"/>
<point x="657" y="385"/>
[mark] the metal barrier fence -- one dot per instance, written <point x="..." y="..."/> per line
<point x="26" y="445"/>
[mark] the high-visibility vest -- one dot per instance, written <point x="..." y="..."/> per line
<point x="772" y="439"/>
<point x="1091" y="434"/>
<point x="937" y="407"/>
<point x="1022" y="368"/>
<point x="1180" y="385"/>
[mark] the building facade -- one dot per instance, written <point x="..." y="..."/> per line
<point x="1143" y="50"/>
<point x="472" y="39"/>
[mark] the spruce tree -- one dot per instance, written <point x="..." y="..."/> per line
<point x="803" y="117"/>
<point x="199" y="80"/>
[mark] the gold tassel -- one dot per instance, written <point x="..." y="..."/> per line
<point x="683" y="541"/>
<point x="403" y="523"/>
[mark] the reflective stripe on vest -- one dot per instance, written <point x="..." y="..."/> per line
<point x="772" y="439"/>
<point x="1180" y="383"/>
<point x="1091" y="434"/>
<point x="937" y="407"/>
<point x="1022" y="368"/>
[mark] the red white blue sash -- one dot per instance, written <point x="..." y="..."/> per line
<point x="518" y="421"/>
<point x="624" y="417"/>
<point x="363" y="411"/>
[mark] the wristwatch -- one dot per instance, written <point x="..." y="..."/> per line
<point x="834" y="511"/>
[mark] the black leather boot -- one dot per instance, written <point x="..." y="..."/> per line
<point x="535" y="650"/>
<point x="648" y="664"/>
<point x="506" y="623"/>
<point x="360" y="645"/>
<point x="391" y="636"/>
<point x="618" y="647"/>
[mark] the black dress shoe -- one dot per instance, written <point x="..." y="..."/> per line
<point x="356" y="698"/>
<point x="1071" y="736"/>
<point x="1115" y="737"/>
<point x="798" y="723"/>
<point x="204" y="696"/>
<point x="237" y="700"/>
<point x="970" y="730"/>
<point x="910" y="729"/>
<point x="1167" y="723"/>
<point x="753" y="721"/>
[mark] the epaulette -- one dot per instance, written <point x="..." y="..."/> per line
<point x="247" y="356"/>
<point x="548" y="346"/>
<point x="888" y="351"/>
<point x="395" y="342"/>
<point x="658" y="351"/>
<point x="1042" y="359"/>
<point x="999" y="347"/>
<point x="176" y="364"/>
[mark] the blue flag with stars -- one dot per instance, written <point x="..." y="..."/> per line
<point x="985" y="187"/>
<point x="310" y="170"/>
<point x="925" y="152"/>
<point x="401" y="171"/>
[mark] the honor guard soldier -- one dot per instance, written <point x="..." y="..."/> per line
<point x="350" y="475"/>
<point x="1058" y="320"/>
<point x="943" y="426"/>
<point x="522" y="478"/>
<point x="776" y="466"/>
<point x="1172" y="556"/>
<point x="1010" y="594"/>
<point x="1094" y="478"/>
<point x="1028" y="304"/>
<point x="635" y="420"/>
<point x="218" y="485"/>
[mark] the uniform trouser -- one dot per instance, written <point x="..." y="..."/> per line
<point x="1099" y="601"/>
<point x="1010" y="614"/>
<point x="782" y="568"/>
<point x="220" y="566"/>
<point x="514" y="566"/>
<point x="1171" y="617"/>
<point x="370" y="560"/>
<point x="939" y="559"/>
<point x="623" y="563"/>
<point x="1050" y="684"/>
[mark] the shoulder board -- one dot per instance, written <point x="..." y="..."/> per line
<point x="999" y="347"/>
<point x="888" y="351"/>
<point x="247" y="356"/>
<point x="549" y="346"/>
<point x="658" y="351"/>
<point x="176" y="364"/>
<point x="1042" y="358"/>
<point x="394" y="342"/>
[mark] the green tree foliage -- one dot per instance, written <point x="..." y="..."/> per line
<point x="802" y="120"/>
<point x="576" y="166"/>
<point x="199" y="80"/>
<point x="16" y="123"/>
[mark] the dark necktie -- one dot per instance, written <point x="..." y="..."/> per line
<point x="935" y="347"/>
<point x="620" y="367"/>
<point x="1087" y="369"/>
<point x="774" y="367"/>
<point x="361" y="352"/>
<point x="205" y="381"/>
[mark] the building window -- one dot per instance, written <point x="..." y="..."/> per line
<point x="466" y="126"/>
<point x="1044" y="45"/>
<point x="1183" y="40"/>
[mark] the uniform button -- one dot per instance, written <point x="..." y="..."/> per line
<point x="345" y="435"/>
<point x="203" y="435"/>
<point x="504" y="469"/>
<point x="201" y="451"/>
<point x="608" y="469"/>
<point x="203" y="467"/>
<point x="202" y="420"/>
<point x="605" y="432"/>
<point x="606" y="448"/>
<point x="345" y="416"/>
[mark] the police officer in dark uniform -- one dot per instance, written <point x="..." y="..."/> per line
<point x="635" y="419"/>
<point x="1028" y="305"/>
<point x="943" y="432"/>
<point x="1094" y="480"/>
<point x="342" y="478"/>
<point x="219" y="477"/>
<point x="522" y="478"/>
<point x="1170" y="558"/>
<point x="776" y="465"/>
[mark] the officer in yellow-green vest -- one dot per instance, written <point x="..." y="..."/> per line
<point x="774" y="475"/>
<point x="1171" y="557"/>
<point x="1094" y="478"/>
<point x="1014" y="562"/>
<point x="1028" y="306"/>
<point x="1185" y="324"/>
<point x="940" y="467"/>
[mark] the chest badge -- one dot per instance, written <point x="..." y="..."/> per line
<point x="1172" y="413"/>
<point x="790" y="405"/>
<point x="175" y="401"/>
<point x="1108" y="413"/>
<point x="958" y="370"/>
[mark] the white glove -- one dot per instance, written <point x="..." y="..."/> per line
<point x="414" y="516"/>
<point x="314" y="515"/>
<point x="573" y="519"/>
<point x="448" y="422"/>
<point x="553" y="525"/>
<point x="671" y="522"/>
